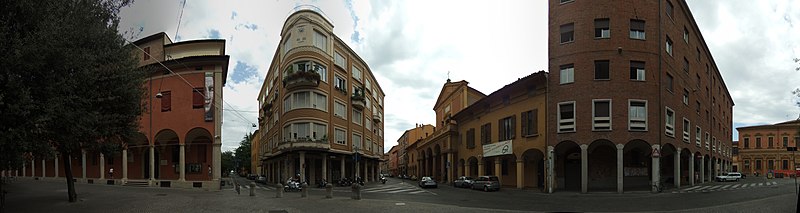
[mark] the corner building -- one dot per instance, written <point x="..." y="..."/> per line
<point x="762" y="149"/>
<point x="637" y="98"/>
<point x="321" y="114"/>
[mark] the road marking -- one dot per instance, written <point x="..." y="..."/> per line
<point x="736" y="186"/>
<point x="703" y="188"/>
<point x="760" y="184"/>
<point x="752" y="184"/>
<point x="774" y="183"/>
<point x="417" y="192"/>
<point x="692" y="188"/>
<point x="383" y="189"/>
<point x="402" y="190"/>
<point x="726" y="186"/>
<point x="400" y="204"/>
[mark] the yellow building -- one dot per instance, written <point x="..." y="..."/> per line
<point x="321" y="108"/>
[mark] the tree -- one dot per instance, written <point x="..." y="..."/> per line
<point x="69" y="81"/>
<point x="227" y="162"/>
<point x="242" y="153"/>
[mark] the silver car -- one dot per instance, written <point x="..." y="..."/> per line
<point x="463" y="181"/>
<point x="427" y="182"/>
<point x="487" y="183"/>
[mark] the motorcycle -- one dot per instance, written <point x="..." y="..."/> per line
<point x="322" y="183"/>
<point x="360" y="181"/>
<point x="292" y="185"/>
<point x="345" y="182"/>
<point x="383" y="180"/>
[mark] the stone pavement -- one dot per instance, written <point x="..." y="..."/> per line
<point x="51" y="196"/>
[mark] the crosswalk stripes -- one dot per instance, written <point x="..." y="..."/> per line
<point x="395" y="189"/>
<point x="722" y="187"/>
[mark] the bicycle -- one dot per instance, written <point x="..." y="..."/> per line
<point x="658" y="187"/>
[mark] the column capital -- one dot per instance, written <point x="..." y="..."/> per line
<point x="520" y="161"/>
<point x="678" y="151"/>
<point x="584" y="146"/>
<point x="620" y="146"/>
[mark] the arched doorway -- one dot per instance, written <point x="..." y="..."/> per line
<point x="473" y="166"/>
<point x="637" y="166"/>
<point x="197" y="155"/>
<point x="568" y="166"/>
<point x="667" y="163"/>
<point x="686" y="155"/>
<point x="533" y="170"/>
<point x="602" y="166"/>
<point x="462" y="164"/>
<point x="164" y="159"/>
<point x="437" y="164"/>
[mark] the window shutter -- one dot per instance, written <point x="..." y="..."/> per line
<point x="166" y="101"/>
<point x="524" y="123"/>
<point x="637" y="25"/>
<point x="513" y="126"/>
<point x="501" y="130"/>
<point x="197" y="98"/>
<point x="534" y="122"/>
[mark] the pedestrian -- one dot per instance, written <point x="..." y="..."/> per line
<point x="209" y="171"/>
<point x="111" y="173"/>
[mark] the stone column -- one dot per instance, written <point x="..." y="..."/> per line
<point x="182" y="162"/>
<point x="124" y="165"/>
<point x="710" y="177"/>
<point x="33" y="168"/>
<point x="656" y="169"/>
<point x="55" y="165"/>
<point x="550" y="169"/>
<point x="620" y="168"/>
<point x="677" y="176"/>
<point x="102" y="166"/>
<point x="341" y="171"/>
<point x="584" y="168"/>
<point x="702" y="168"/>
<point x="497" y="168"/>
<point x="520" y="175"/>
<point x="450" y="167"/>
<point x="24" y="169"/>
<point x="44" y="168"/>
<point x="691" y="169"/>
<point x="312" y="175"/>
<point x="325" y="167"/>
<point x="302" y="166"/>
<point x="216" y="157"/>
<point x="480" y="168"/>
<point x="83" y="164"/>
<point x="152" y="162"/>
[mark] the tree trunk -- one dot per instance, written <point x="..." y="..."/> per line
<point x="68" y="174"/>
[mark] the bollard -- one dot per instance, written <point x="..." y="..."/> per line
<point x="356" y="191"/>
<point x="279" y="191"/>
<point x="329" y="189"/>
<point x="304" y="190"/>
<point x="252" y="189"/>
<point x="237" y="188"/>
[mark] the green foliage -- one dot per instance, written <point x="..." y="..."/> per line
<point x="69" y="81"/>
<point x="227" y="162"/>
<point x="242" y="153"/>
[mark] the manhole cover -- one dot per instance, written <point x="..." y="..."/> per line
<point x="161" y="194"/>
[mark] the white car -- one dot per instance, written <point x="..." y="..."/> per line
<point x="730" y="176"/>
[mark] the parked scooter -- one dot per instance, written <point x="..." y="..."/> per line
<point x="360" y="181"/>
<point x="345" y="182"/>
<point x="292" y="185"/>
<point x="322" y="183"/>
<point x="383" y="179"/>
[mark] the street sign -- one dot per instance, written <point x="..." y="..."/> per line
<point x="656" y="153"/>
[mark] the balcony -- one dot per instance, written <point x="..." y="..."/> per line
<point x="304" y="144"/>
<point x="358" y="98"/>
<point x="297" y="78"/>
<point x="267" y="109"/>
<point x="377" y="118"/>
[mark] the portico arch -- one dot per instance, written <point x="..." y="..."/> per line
<point x="637" y="166"/>
<point x="568" y="166"/>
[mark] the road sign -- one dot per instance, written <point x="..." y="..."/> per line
<point x="656" y="153"/>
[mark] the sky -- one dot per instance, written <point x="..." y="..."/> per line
<point x="412" y="47"/>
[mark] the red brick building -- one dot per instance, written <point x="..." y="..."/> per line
<point x="636" y="96"/>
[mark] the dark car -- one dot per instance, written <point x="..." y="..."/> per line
<point x="487" y="183"/>
<point x="463" y="182"/>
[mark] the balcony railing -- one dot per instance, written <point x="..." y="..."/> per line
<point x="296" y="78"/>
<point x="377" y="118"/>
<point x="303" y="143"/>
<point x="358" y="98"/>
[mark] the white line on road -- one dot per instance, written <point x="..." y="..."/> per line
<point x="736" y="186"/>
<point x="726" y="186"/>
<point x="417" y="192"/>
<point x="402" y="190"/>
<point x="752" y="184"/>
<point x="692" y="188"/>
<point x="760" y="184"/>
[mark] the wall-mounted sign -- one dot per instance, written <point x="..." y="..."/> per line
<point x="499" y="148"/>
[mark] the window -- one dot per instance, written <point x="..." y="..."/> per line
<point x="637" y="29"/>
<point x="320" y="41"/>
<point x="567" y="1"/>
<point x="471" y="138"/>
<point x="357" y="142"/>
<point x="698" y="134"/>
<point x="506" y="128"/>
<point x="637" y="70"/>
<point x="198" y="98"/>
<point x="166" y="101"/>
<point x="358" y="118"/>
<point x="340" y="83"/>
<point x="567" y="74"/>
<point x="601" y="70"/>
<point x="698" y="54"/>
<point x="146" y="53"/>
<point x="287" y="45"/>
<point x="770" y="164"/>
<point x="341" y="136"/>
<point x="637" y="115"/>
<point x="685" y="65"/>
<point x="758" y="142"/>
<point x="486" y="133"/>
<point x="770" y="142"/>
<point x="669" y="9"/>
<point x="685" y="97"/>
<point x="368" y="123"/>
<point x="785" y="165"/>
<point x="686" y="130"/>
<point x="785" y="141"/>
<point x="339" y="60"/>
<point x="305" y="131"/>
<point x="340" y="110"/>
<point x="306" y="99"/>
<point x="567" y="33"/>
<point x="758" y="164"/>
<point x="698" y="107"/>
<point x="708" y="141"/>
<point x="566" y="117"/>
<point x="669" y="46"/>
<point x="356" y="73"/>
<point x="320" y="131"/>
<point x="670" y="122"/>
<point x="746" y="142"/>
<point x="308" y="66"/>
<point x="669" y="82"/>
<point x="685" y="35"/>
<point x="530" y="122"/>
<point x="601" y="28"/>
<point x="601" y="115"/>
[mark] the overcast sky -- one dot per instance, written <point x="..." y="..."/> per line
<point x="411" y="46"/>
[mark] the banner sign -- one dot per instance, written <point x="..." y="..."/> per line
<point x="209" y="102"/>
<point x="499" y="148"/>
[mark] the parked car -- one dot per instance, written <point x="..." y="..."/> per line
<point x="261" y="179"/>
<point x="729" y="176"/>
<point x="487" y="183"/>
<point x="252" y="176"/>
<point x="428" y="182"/>
<point x="463" y="182"/>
